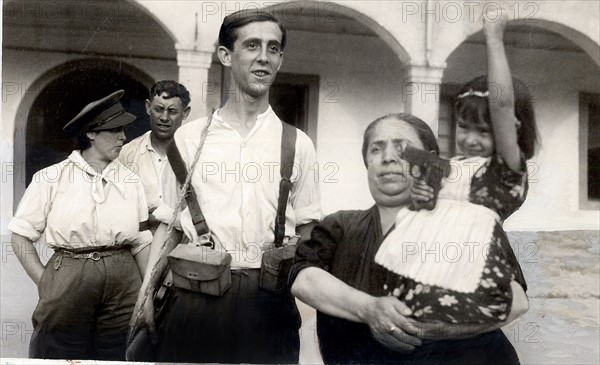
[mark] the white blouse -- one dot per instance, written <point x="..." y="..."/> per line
<point x="76" y="207"/>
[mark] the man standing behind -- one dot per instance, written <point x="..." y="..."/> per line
<point x="167" y="107"/>
<point x="237" y="181"/>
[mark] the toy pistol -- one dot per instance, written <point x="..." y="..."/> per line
<point x="429" y="168"/>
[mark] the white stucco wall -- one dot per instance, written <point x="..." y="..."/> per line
<point x="360" y="80"/>
<point x="23" y="79"/>
<point x="556" y="79"/>
<point x="454" y="21"/>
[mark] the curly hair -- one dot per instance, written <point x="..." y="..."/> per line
<point x="172" y="89"/>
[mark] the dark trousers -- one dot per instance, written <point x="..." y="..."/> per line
<point x="85" y="307"/>
<point x="244" y="325"/>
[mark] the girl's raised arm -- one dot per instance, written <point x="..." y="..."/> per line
<point x="502" y="102"/>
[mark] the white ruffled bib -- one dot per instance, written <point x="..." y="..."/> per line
<point x="448" y="246"/>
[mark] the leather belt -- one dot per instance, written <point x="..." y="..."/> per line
<point x="93" y="253"/>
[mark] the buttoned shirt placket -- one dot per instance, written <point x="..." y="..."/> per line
<point x="158" y="162"/>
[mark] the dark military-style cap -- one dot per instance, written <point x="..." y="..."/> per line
<point x="100" y="115"/>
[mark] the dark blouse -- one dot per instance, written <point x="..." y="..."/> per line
<point x="344" y="244"/>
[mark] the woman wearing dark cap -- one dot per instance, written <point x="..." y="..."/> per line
<point x="91" y="210"/>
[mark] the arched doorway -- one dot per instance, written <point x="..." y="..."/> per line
<point x="564" y="79"/>
<point x="103" y="44"/>
<point x="58" y="102"/>
<point x="59" y="54"/>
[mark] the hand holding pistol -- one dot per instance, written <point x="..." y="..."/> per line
<point x="428" y="167"/>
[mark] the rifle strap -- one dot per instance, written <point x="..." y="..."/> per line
<point x="175" y="160"/>
<point x="181" y="173"/>
<point x="286" y="167"/>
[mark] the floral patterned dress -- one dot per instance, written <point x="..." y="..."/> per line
<point x="455" y="264"/>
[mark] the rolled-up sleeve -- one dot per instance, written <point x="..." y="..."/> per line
<point x="305" y="197"/>
<point x="319" y="251"/>
<point x="31" y="215"/>
<point x="144" y="239"/>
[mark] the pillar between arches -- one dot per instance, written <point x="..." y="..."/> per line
<point x="194" y="65"/>
<point x="421" y="92"/>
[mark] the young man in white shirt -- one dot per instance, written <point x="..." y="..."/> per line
<point x="167" y="106"/>
<point x="237" y="182"/>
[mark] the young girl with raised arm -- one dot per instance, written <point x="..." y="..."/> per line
<point x="454" y="263"/>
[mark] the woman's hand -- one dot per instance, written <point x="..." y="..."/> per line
<point x="392" y="342"/>
<point x="28" y="256"/>
<point x="386" y="317"/>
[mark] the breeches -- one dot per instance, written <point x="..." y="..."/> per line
<point x="244" y="325"/>
<point x="84" y="308"/>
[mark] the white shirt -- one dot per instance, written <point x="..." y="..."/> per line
<point x="237" y="182"/>
<point x="140" y="157"/>
<point x="76" y="207"/>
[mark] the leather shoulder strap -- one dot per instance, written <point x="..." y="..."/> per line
<point x="286" y="167"/>
<point x="178" y="166"/>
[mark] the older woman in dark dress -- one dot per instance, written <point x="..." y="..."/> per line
<point x="335" y="273"/>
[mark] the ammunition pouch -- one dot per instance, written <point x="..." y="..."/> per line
<point x="275" y="268"/>
<point x="200" y="269"/>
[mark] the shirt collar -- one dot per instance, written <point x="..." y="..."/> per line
<point x="260" y="119"/>
<point x="109" y="174"/>
<point x="146" y="143"/>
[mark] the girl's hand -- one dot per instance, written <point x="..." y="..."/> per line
<point x="421" y="192"/>
<point x="494" y="23"/>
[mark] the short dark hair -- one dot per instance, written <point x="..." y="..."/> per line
<point x="232" y="22"/>
<point x="477" y="109"/>
<point x="172" y="89"/>
<point x="83" y="142"/>
<point x="423" y="131"/>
